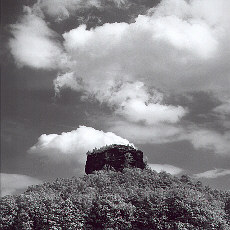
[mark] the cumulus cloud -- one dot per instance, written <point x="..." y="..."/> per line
<point x="180" y="47"/>
<point x="210" y="174"/>
<point x="34" y="44"/>
<point x="11" y="183"/>
<point x="75" y="144"/>
<point x="167" y="168"/>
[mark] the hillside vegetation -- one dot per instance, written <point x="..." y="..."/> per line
<point x="131" y="199"/>
<point x="119" y="192"/>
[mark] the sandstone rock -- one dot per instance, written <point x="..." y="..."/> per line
<point x="116" y="157"/>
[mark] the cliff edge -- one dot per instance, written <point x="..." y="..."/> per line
<point x="116" y="157"/>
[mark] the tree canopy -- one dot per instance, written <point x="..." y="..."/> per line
<point x="131" y="199"/>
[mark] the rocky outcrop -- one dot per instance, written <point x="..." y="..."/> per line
<point x="116" y="157"/>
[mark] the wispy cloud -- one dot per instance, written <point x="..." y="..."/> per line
<point x="201" y="138"/>
<point x="211" y="140"/>
<point x="61" y="10"/>
<point x="223" y="109"/>
<point x="11" y="183"/>
<point x="167" y="168"/>
<point x="210" y="174"/>
<point x="132" y="100"/>
<point x="142" y="134"/>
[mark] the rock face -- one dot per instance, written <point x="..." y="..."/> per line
<point x="115" y="157"/>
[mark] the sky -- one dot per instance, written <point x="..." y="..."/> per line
<point x="77" y="74"/>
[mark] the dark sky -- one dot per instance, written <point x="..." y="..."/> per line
<point x="134" y="74"/>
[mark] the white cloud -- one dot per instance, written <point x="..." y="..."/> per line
<point x="61" y="10"/>
<point x="10" y="183"/>
<point x="138" y="110"/>
<point x="173" y="50"/>
<point x="223" y="113"/>
<point x="213" y="12"/>
<point x="74" y="145"/>
<point x="132" y="100"/>
<point x="141" y="134"/>
<point x="200" y="138"/>
<point x="223" y="109"/>
<point x="213" y="173"/>
<point x="67" y="80"/>
<point x="210" y="140"/>
<point x="185" y="35"/>
<point x="167" y="168"/>
<point x="34" y="43"/>
<point x="177" y="46"/>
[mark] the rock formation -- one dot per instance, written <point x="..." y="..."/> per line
<point x="116" y="157"/>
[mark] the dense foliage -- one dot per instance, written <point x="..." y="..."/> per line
<point x="132" y="199"/>
<point x="109" y="147"/>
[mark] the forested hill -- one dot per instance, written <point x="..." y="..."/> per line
<point x="133" y="198"/>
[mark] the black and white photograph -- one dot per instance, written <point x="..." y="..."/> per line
<point x="115" y="114"/>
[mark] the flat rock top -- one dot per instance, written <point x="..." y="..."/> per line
<point x="115" y="157"/>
